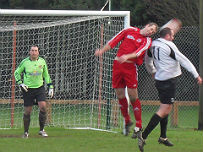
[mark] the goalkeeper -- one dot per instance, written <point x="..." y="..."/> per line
<point x="34" y="70"/>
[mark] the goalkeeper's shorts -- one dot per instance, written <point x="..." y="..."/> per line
<point x="34" y="95"/>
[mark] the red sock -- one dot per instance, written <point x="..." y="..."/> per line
<point x="137" y="113"/>
<point x="124" y="109"/>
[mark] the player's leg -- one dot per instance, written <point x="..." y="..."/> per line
<point x="26" y="120"/>
<point x="28" y="103"/>
<point x="163" y="126"/>
<point x="154" y="121"/>
<point x="163" y="111"/>
<point x="119" y="86"/>
<point x="137" y="110"/>
<point x="137" y="133"/>
<point x="136" y="104"/>
<point x="131" y="82"/>
<point x="166" y="90"/>
<point x="120" y="92"/>
<point x="42" y="110"/>
<point x="163" y="139"/>
<point x="42" y="118"/>
<point x="169" y="99"/>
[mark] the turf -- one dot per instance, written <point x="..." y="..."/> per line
<point x="72" y="140"/>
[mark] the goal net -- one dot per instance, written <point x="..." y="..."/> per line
<point x="83" y="94"/>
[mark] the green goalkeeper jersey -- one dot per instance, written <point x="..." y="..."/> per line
<point x="34" y="73"/>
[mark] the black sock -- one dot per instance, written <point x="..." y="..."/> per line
<point x="42" y="119"/>
<point x="163" y="124"/>
<point x="26" y="120"/>
<point x="151" y="125"/>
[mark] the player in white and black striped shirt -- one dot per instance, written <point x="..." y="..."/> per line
<point x="163" y="61"/>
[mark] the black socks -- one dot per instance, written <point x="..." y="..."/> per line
<point x="42" y="119"/>
<point x="163" y="124"/>
<point x="151" y="125"/>
<point x="26" y="120"/>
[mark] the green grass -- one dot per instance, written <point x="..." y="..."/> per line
<point x="80" y="116"/>
<point x="68" y="140"/>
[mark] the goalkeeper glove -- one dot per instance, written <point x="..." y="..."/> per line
<point x="51" y="92"/>
<point x="23" y="87"/>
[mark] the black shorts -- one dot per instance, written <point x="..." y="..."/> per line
<point x="33" y="96"/>
<point x="166" y="90"/>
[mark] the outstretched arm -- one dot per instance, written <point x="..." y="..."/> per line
<point x="112" y="43"/>
<point x="185" y="62"/>
<point x="99" y="52"/>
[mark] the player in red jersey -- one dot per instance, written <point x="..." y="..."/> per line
<point x="134" y="43"/>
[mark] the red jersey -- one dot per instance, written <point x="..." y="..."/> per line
<point x="131" y="41"/>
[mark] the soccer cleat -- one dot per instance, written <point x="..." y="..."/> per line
<point x="127" y="128"/>
<point x="141" y="143"/>
<point x="137" y="132"/>
<point x="165" y="141"/>
<point x="25" y="135"/>
<point x="43" y="133"/>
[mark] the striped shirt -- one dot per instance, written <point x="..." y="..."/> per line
<point x="131" y="41"/>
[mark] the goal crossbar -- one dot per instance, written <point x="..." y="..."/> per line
<point x="125" y="14"/>
<point x="63" y="12"/>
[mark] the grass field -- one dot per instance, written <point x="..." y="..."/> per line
<point x="81" y="116"/>
<point x="68" y="140"/>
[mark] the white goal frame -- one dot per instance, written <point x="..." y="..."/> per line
<point x="125" y="14"/>
<point x="19" y="12"/>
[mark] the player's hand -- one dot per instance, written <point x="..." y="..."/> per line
<point x="199" y="80"/>
<point x="153" y="75"/>
<point x="122" y="58"/>
<point x="51" y="92"/>
<point x="23" y="87"/>
<point x="98" y="52"/>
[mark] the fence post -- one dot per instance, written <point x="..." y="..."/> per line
<point x="200" y="122"/>
<point x="49" y="113"/>
<point x="174" y="116"/>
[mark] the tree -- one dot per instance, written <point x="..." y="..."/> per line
<point x="30" y="4"/>
<point x="136" y="8"/>
<point x="77" y="4"/>
<point x="142" y="11"/>
<point x="162" y="11"/>
<point x="200" y="121"/>
<point x="4" y="4"/>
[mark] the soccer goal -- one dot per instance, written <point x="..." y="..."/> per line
<point x="83" y="94"/>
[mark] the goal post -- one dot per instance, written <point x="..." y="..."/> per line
<point x="67" y="40"/>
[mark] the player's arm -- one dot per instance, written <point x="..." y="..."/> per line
<point x="18" y="72"/>
<point x="17" y="75"/>
<point x="185" y="62"/>
<point x="112" y="43"/>
<point x="149" y="64"/>
<point x="99" y="52"/>
<point x="48" y="81"/>
<point x="139" y="52"/>
<point x="126" y="57"/>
